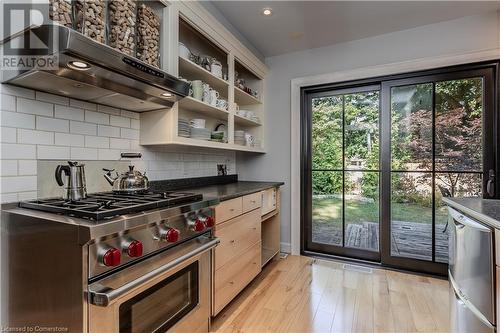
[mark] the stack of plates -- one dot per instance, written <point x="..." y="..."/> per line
<point x="200" y="133"/>
<point x="184" y="128"/>
<point x="239" y="137"/>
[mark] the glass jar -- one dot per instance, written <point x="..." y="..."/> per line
<point x="121" y="20"/>
<point x="148" y="35"/>
<point x="61" y="11"/>
<point x="91" y="19"/>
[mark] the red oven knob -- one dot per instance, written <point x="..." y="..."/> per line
<point x="172" y="235"/>
<point x="198" y="226"/>
<point x="134" y="249"/>
<point x="209" y="222"/>
<point x="111" y="257"/>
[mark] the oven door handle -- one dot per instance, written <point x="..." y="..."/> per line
<point x="105" y="296"/>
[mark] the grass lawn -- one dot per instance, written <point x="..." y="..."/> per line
<point x="329" y="210"/>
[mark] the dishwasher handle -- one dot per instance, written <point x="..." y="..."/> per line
<point x="490" y="185"/>
<point x="105" y="296"/>
<point x="461" y="221"/>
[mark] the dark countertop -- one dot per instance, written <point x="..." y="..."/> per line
<point x="231" y="190"/>
<point x="483" y="210"/>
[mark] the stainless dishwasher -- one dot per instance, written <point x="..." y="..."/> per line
<point x="471" y="274"/>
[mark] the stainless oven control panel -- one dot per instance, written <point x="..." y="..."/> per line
<point x="116" y="250"/>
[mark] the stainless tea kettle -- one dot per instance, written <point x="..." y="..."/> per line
<point x="128" y="181"/>
<point x="75" y="185"/>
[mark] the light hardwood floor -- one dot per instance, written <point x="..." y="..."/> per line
<point x="302" y="294"/>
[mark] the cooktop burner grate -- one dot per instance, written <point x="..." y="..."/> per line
<point x="104" y="205"/>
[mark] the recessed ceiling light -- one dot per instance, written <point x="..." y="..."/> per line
<point x="78" y="65"/>
<point x="168" y="95"/>
<point x="267" y="11"/>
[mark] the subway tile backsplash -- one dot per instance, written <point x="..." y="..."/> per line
<point x="37" y="126"/>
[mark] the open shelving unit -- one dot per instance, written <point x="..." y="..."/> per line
<point x="205" y="40"/>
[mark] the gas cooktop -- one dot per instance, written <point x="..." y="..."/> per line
<point x="105" y="205"/>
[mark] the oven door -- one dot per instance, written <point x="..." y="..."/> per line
<point x="167" y="292"/>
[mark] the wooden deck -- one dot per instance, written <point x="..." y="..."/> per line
<point x="409" y="239"/>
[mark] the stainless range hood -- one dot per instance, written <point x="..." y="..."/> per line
<point x="110" y="77"/>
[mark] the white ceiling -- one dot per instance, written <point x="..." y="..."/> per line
<point x="299" y="25"/>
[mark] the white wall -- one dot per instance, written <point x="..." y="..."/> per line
<point x="463" y="35"/>
<point x="38" y="126"/>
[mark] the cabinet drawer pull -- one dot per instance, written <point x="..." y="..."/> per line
<point x="232" y="241"/>
<point x="253" y="201"/>
<point x="231" y="209"/>
<point x="231" y="282"/>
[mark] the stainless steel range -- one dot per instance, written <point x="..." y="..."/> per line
<point x="112" y="262"/>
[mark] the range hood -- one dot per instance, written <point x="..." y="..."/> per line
<point x="91" y="71"/>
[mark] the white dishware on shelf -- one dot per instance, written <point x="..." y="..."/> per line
<point x="206" y="93"/>
<point x="197" y="123"/>
<point x="221" y="103"/>
<point x="239" y="137"/>
<point x="214" y="95"/>
<point x="249" y="140"/>
<point x="200" y="133"/>
<point x="216" y="68"/>
<point x="184" y="128"/>
<point x="184" y="51"/>
<point x="197" y="89"/>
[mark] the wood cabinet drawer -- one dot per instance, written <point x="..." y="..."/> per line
<point x="252" y="201"/>
<point x="236" y="235"/>
<point x="228" y="209"/>
<point x="233" y="277"/>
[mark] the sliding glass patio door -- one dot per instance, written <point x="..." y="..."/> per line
<point x="379" y="156"/>
<point x="438" y="142"/>
<point x="345" y="173"/>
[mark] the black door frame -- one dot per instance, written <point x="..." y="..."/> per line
<point x="488" y="70"/>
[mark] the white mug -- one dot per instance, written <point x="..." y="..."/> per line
<point x="206" y="93"/>
<point x="197" y="89"/>
<point x="221" y="103"/>
<point x="249" y="139"/>
<point x="214" y="95"/>
<point x="216" y="69"/>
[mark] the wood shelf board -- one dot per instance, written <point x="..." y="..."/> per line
<point x="267" y="255"/>
<point x="192" y="104"/>
<point x="182" y="141"/>
<point x="245" y="121"/>
<point x="191" y="71"/>
<point x="243" y="98"/>
<point x="269" y="215"/>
